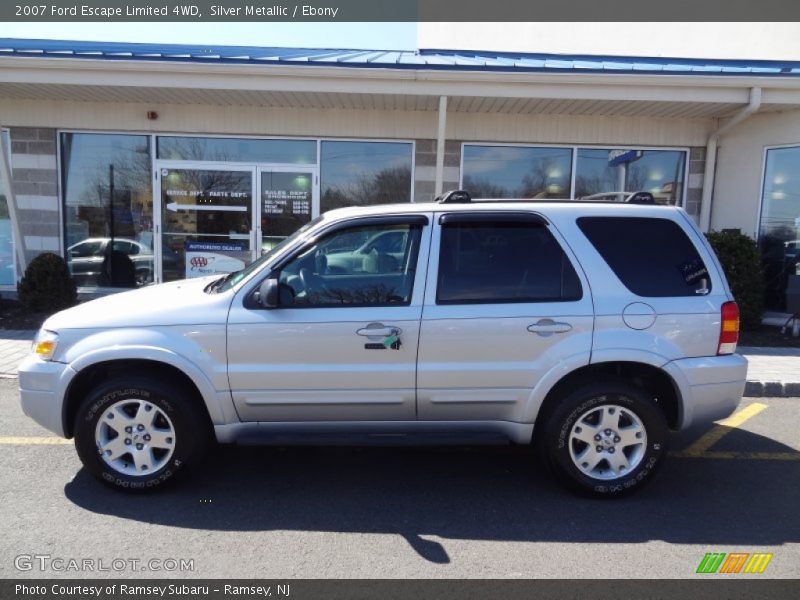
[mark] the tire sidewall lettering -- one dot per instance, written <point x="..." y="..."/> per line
<point x="654" y="451"/>
<point x="108" y="474"/>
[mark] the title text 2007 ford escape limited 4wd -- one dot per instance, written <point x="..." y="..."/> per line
<point x="589" y="330"/>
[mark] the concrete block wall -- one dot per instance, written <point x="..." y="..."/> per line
<point x="694" y="180"/>
<point x="425" y="168"/>
<point x="35" y="182"/>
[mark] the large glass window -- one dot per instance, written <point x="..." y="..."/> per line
<point x="364" y="173"/>
<point x="284" y="151"/>
<point x="7" y="260"/>
<point x="108" y="198"/>
<point x="507" y="261"/>
<point x="600" y="172"/>
<point x="361" y="266"/>
<point x="779" y="232"/>
<point x="516" y="172"/>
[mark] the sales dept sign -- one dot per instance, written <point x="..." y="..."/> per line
<point x="211" y="258"/>
<point x="287" y="202"/>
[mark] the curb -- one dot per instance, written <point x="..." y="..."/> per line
<point x="771" y="389"/>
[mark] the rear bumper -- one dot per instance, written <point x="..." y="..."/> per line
<point x="710" y="387"/>
<point x="42" y="387"/>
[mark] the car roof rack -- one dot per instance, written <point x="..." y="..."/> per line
<point x="454" y="197"/>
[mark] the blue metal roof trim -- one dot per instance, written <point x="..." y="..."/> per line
<point x="432" y="59"/>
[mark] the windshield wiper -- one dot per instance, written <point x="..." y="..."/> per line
<point x="218" y="283"/>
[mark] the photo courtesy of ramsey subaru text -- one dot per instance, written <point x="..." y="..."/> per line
<point x="587" y="330"/>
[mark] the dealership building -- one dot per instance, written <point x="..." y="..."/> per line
<point x="187" y="160"/>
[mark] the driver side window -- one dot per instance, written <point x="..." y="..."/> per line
<point x="348" y="268"/>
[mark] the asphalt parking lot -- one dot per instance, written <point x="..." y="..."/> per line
<point x="407" y="512"/>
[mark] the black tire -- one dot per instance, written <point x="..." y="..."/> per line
<point x="553" y="441"/>
<point x="192" y="434"/>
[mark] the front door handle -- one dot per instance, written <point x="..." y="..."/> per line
<point x="379" y="331"/>
<point x="545" y="327"/>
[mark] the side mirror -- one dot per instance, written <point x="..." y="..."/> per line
<point x="268" y="293"/>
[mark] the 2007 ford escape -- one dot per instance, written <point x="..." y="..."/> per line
<point x="588" y="330"/>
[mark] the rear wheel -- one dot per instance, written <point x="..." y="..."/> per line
<point x="606" y="438"/>
<point x="137" y="433"/>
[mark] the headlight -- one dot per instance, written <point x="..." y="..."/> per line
<point x="44" y="345"/>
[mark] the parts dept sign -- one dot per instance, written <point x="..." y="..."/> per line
<point x="210" y="258"/>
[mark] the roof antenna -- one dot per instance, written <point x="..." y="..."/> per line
<point x="454" y="197"/>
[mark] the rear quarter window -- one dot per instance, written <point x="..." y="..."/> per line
<point x="651" y="257"/>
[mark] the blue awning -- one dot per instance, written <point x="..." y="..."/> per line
<point x="455" y="60"/>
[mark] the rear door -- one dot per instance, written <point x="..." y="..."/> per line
<point x="505" y="304"/>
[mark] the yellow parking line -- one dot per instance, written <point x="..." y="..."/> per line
<point x="720" y="430"/>
<point x="752" y="455"/>
<point x="32" y="441"/>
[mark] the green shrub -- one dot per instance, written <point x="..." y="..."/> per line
<point x="741" y="261"/>
<point x="47" y="284"/>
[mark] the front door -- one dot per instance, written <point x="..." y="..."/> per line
<point x="217" y="217"/>
<point x="206" y="219"/>
<point x="342" y="345"/>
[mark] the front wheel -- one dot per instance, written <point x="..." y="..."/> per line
<point x="137" y="433"/>
<point x="604" y="439"/>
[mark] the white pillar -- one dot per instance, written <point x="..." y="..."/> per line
<point x="7" y="189"/>
<point x="440" y="138"/>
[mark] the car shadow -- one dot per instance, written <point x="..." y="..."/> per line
<point x="481" y="493"/>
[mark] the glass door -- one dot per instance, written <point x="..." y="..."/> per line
<point x="206" y="218"/>
<point x="288" y="199"/>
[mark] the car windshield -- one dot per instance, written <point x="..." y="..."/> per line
<point x="231" y="279"/>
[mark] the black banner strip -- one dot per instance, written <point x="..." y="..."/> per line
<point x="731" y="587"/>
<point x="399" y="10"/>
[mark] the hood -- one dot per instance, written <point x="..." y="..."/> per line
<point x="175" y="303"/>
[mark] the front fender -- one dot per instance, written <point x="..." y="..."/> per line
<point x="197" y="351"/>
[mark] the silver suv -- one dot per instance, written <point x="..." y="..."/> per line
<point x="588" y="330"/>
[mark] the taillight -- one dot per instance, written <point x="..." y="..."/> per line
<point x="729" y="330"/>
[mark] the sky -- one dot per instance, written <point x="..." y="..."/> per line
<point x="371" y="36"/>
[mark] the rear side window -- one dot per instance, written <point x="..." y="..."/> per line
<point x="651" y="257"/>
<point x="486" y="262"/>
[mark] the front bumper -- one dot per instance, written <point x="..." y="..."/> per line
<point x="710" y="387"/>
<point x="42" y="389"/>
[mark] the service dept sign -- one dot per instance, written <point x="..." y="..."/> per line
<point x="210" y="258"/>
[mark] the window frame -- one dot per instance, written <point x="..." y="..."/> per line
<point x="503" y="218"/>
<point x="61" y="189"/>
<point x="412" y="220"/>
<point x="763" y="183"/>
<point x="574" y="160"/>
<point x="153" y="144"/>
<point x="413" y="144"/>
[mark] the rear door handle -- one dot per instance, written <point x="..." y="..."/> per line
<point x="548" y="326"/>
<point x="379" y="331"/>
